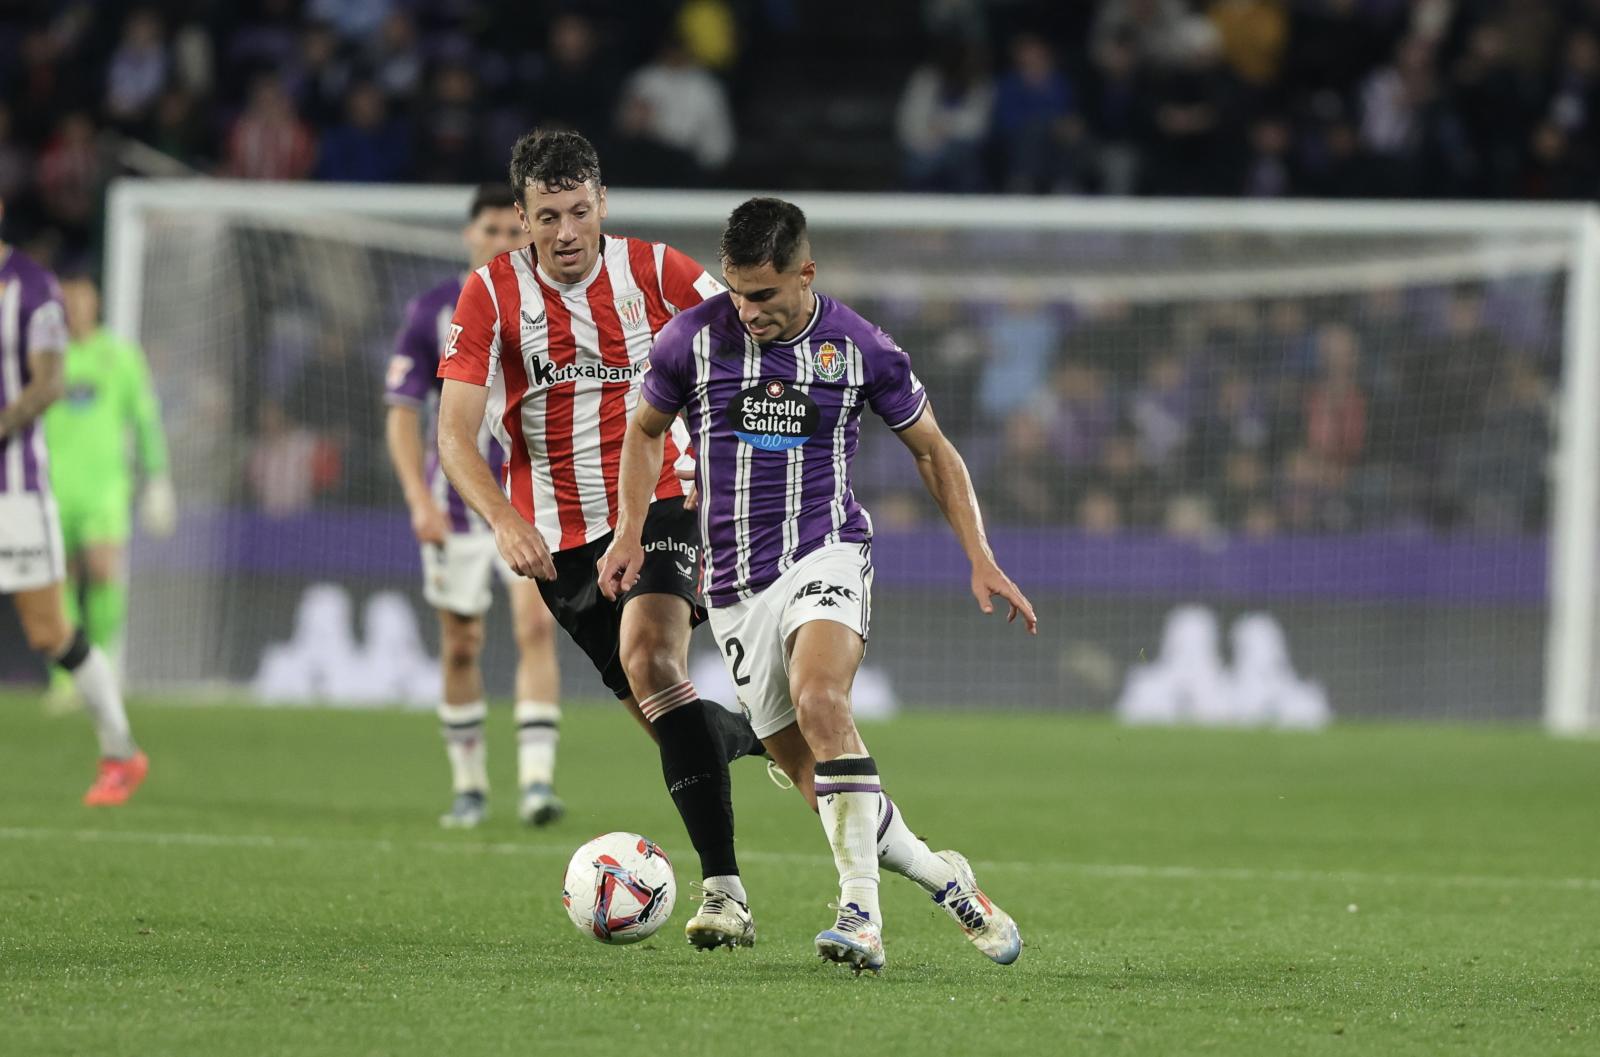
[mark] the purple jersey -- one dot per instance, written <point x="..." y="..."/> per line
<point x="413" y="381"/>
<point x="32" y="320"/>
<point x="775" y="428"/>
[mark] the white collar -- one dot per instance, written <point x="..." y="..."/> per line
<point x="811" y="324"/>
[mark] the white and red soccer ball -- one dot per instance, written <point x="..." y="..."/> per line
<point x="619" y="888"/>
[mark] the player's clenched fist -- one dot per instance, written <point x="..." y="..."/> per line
<point x="523" y="548"/>
<point x="619" y="567"/>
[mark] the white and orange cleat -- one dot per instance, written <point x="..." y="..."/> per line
<point x="990" y="929"/>
<point x="117" y="781"/>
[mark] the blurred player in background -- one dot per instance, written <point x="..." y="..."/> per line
<point x="33" y="340"/>
<point x="773" y="378"/>
<point x="459" y="556"/>
<point x="551" y="340"/>
<point x="108" y="397"/>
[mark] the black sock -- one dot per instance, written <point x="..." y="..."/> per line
<point x="696" y="773"/>
<point x="737" y="735"/>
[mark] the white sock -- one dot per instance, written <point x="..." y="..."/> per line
<point x="906" y="853"/>
<point x="462" y="727"/>
<point x="847" y="799"/>
<point x="97" y="682"/>
<point x="538" y="729"/>
<point x="729" y="883"/>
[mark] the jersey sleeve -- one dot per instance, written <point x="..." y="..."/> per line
<point x="671" y="376"/>
<point x="473" y="345"/>
<point x="684" y="283"/>
<point x="893" y="390"/>
<point x="414" y="361"/>
<point x="45" y="323"/>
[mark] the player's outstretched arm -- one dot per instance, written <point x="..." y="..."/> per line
<point x="460" y="414"/>
<point x="945" y="475"/>
<point x="642" y="452"/>
<point x="402" y="432"/>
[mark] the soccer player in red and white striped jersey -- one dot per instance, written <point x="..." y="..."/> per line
<point x="550" y="342"/>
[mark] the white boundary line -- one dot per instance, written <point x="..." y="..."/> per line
<point x="1119" y="871"/>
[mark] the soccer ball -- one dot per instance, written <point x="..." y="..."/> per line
<point x="619" y="888"/>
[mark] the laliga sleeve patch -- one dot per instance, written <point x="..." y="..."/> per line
<point x="772" y="416"/>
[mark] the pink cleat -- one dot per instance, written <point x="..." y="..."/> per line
<point x="117" y="781"/>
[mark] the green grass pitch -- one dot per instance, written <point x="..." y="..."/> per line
<point x="280" y="887"/>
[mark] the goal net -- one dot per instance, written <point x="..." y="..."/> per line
<point x="1252" y="463"/>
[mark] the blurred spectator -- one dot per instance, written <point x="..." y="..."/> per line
<point x="1085" y="414"/>
<point x="1036" y="120"/>
<point x="1021" y="340"/>
<point x="1336" y="408"/>
<point x="710" y="32"/>
<point x="1027" y="483"/>
<point x="266" y="38"/>
<point x="288" y="465"/>
<point x="1267" y="172"/>
<point x="577" y="87"/>
<point x="16" y="161"/>
<point x="395" y="56"/>
<point x="1099" y="513"/>
<point x="354" y="20"/>
<point x="1491" y="104"/>
<point x="70" y="174"/>
<point x="368" y="147"/>
<point x="1152" y="27"/>
<point x="138" y="70"/>
<point x="269" y="141"/>
<point x="320" y="75"/>
<point x="943" y="121"/>
<point x="452" y="150"/>
<point x="1395" y="103"/>
<point x="1114" y="111"/>
<point x="676" y="104"/>
<point x="1134" y="486"/>
<point x="1252" y="36"/>
<point x="1194" y="137"/>
<point x="1499" y="469"/>
<point x="1160" y="411"/>
<point x="177" y="130"/>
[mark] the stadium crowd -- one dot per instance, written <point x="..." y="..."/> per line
<point x="1290" y="416"/>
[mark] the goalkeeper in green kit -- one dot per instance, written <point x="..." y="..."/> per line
<point x="109" y="400"/>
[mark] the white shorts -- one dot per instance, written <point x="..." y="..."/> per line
<point x="455" y="577"/>
<point x="833" y="583"/>
<point x="31" y="555"/>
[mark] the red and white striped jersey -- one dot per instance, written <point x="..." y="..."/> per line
<point x="563" y="365"/>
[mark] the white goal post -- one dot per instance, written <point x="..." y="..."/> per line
<point x="1240" y="249"/>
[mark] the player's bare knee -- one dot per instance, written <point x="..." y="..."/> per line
<point x="818" y="705"/>
<point x="535" y="631"/>
<point x="461" y="643"/>
<point x="652" y="666"/>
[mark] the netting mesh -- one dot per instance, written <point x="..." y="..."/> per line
<point x="1169" y="432"/>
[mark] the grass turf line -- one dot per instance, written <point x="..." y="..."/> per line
<point x="280" y="886"/>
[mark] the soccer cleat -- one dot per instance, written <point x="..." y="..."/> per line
<point x="855" y="939"/>
<point x="721" y="921"/>
<point x="467" y="810"/>
<point x="117" y="780"/>
<point x="990" y="929"/>
<point x="540" y="806"/>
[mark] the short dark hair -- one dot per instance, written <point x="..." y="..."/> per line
<point x="762" y="230"/>
<point x="555" y="158"/>
<point x="490" y="196"/>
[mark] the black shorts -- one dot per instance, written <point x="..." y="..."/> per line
<point x="671" y="567"/>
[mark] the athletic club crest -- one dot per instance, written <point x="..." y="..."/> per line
<point x="631" y="309"/>
<point x="828" y="362"/>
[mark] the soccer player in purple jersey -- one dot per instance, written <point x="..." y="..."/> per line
<point x="33" y="341"/>
<point x="459" y="554"/>
<point x="772" y="378"/>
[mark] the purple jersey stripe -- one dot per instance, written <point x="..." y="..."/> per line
<point x="458" y="513"/>
<point x="5" y="461"/>
<point x="30" y="456"/>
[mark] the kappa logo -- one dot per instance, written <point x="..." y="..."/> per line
<point x="828" y="362"/>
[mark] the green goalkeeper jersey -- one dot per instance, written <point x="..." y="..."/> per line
<point x="108" y="397"/>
